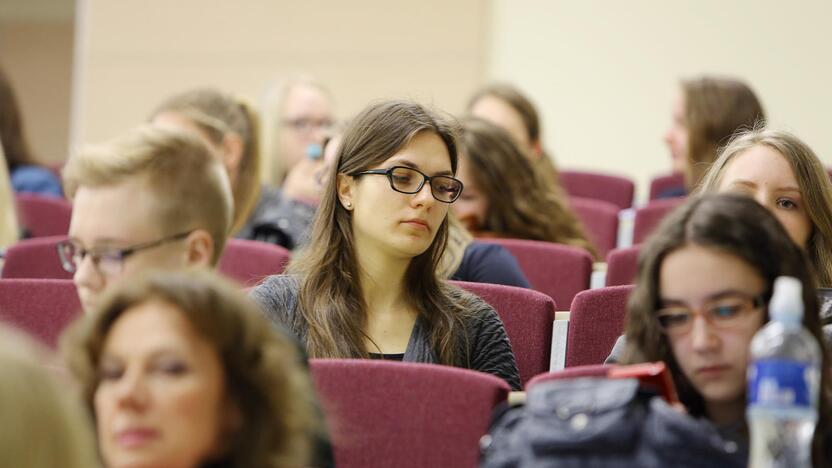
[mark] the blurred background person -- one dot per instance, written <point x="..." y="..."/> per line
<point x="9" y="226"/>
<point x="503" y="196"/>
<point x="707" y="111"/>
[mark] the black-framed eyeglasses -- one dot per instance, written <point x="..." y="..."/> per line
<point x="408" y="180"/>
<point x="723" y="312"/>
<point x="109" y="261"/>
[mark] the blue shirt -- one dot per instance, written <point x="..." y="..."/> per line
<point x="37" y="180"/>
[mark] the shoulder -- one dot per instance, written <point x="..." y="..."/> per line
<point x="484" y="262"/>
<point x="35" y="179"/>
<point x="277" y="296"/>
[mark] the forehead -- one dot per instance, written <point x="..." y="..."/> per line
<point x="127" y="211"/>
<point x="150" y="326"/>
<point x="760" y="164"/>
<point x="306" y="100"/>
<point x="426" y="151"/>
<point x="694" y="273"/>
<point x="500" y="113"/>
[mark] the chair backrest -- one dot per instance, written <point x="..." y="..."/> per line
<point x="383" y="413"/>
<point x="617" y="190"/>
<point x="40" y="307"/>
<point x="650" y="215"/>
<point x="250" y="261"/>
<point x="661" y="184"/>
<point x="600" y="219"/>
<point x="527" y="316"/>
<point x="594" y="370"/>
<point x="43" y="216"/>
<point x="34" y="258"/>
<point x="558" y="270"/>
<point x="596" y="320"/>
<point x="622" y="266"/>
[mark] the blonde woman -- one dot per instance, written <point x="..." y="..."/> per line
<point x="9" y="230"/>
<point x="43" y="425"/>
<point x="783" y="174"/>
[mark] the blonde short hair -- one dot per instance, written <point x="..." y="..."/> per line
<point x="43" y="426"/>
<point x="187" y="178"/>
<point x="812" y="179"/>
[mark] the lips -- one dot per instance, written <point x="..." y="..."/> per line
<point x="136" y="437"/>
<point x="712" y="371"/>
<point x="417" y="223"/>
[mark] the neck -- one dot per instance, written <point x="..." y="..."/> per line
<point x="382" y="280"/>
<point x="724" y="413"/>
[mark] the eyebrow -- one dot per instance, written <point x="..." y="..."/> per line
<point x="751" y="184"/>
<point x="713" y="297"/>
<point x="412" y="165"/>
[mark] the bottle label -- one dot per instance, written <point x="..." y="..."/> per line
<point x="778" y="383"/>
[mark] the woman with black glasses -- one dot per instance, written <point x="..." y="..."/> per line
<point x="366" y="284"/>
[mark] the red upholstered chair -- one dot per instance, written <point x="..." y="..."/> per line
<point x="34" y="258"/>
<point x="649" y="216"/>
<point x="561" y="271"/>
<point x="40" y="307"/>
<point x="383" y="413"/>
<point x="622" y="266"/>
<point x="600" y="219"/>
<point x="609" y="188"/>
<point x="660" y="184"/>
<point x="527" y="316"/>
<point x="596" y="320"/>
<point x="43" y="216"/>
<point x="595" y="370"/>
<point x="250" y="261"/>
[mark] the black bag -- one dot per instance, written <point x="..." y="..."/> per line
<point x="596" y="422"/>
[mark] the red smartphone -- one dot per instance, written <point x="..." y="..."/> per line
<point x="653" y="376"/>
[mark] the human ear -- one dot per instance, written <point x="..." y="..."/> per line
<point x="537" y="149"/>
<point x="199" y="248"/>
<point x="346" y="189"/>
<point x="232" y="154"/>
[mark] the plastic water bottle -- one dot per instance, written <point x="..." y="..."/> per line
<point x="783" y="384"/>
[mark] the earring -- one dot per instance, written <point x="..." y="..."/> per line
<point x="348" y="205"/>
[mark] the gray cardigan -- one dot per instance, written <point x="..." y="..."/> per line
<point x="488" y="349"/>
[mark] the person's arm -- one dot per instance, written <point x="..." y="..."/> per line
<point x="490" y="347"/>
<point x="490" y="263"/>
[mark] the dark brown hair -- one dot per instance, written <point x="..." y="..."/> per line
<point x="218" y="114"/>
<point x="715" y="108"/>
<point x="331" y="299"/>
<point x="264" y="373"/>
<point x="12" y="136"/>
<point x="738" y="226"/>
<point x="519" y="205"/>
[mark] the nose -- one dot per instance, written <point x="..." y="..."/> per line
<point x="702" y="336"/>
<point x="424" y="196"/>
<point x="132" y="391"/>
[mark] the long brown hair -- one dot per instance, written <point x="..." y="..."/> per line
<point x="331" y="299"/>
<point x="544" y="165"/>
<point x="264" y="374"/>
<point x="519" y="204"/>
<point x="812" y="180"/>
<point x="12" y="136"/>
<point x="738" y="226"/>
<point x="218" y="114"/>
<point x="715" y="108"/>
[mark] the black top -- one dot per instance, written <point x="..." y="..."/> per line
<point x="387" y="357"/>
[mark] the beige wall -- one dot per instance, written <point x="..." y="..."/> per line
<point x="36" y="53"/>
<point x="134" y="53"/>
<point x="604" y="73"/>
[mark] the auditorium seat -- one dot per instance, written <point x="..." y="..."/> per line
<point x="594" y="370"/>
<point x="39" y="307"/>
<point x="649" y="216"/>
<point x="249" y="261"/>
<point x="596" y="320"/>
<point x="34" y="258"/>
<point x="622" y="266"/>
<point x="558" y="270"/>
<point x="527" y="316"/>
<point x="407" y="415"/>
<point x="661" y="184"/>
<point x="43" y="216"/>
<point x="600" y="220"/>
<point x="613" y="189"/>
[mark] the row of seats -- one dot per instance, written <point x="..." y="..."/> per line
<point x="43" y="307"/>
